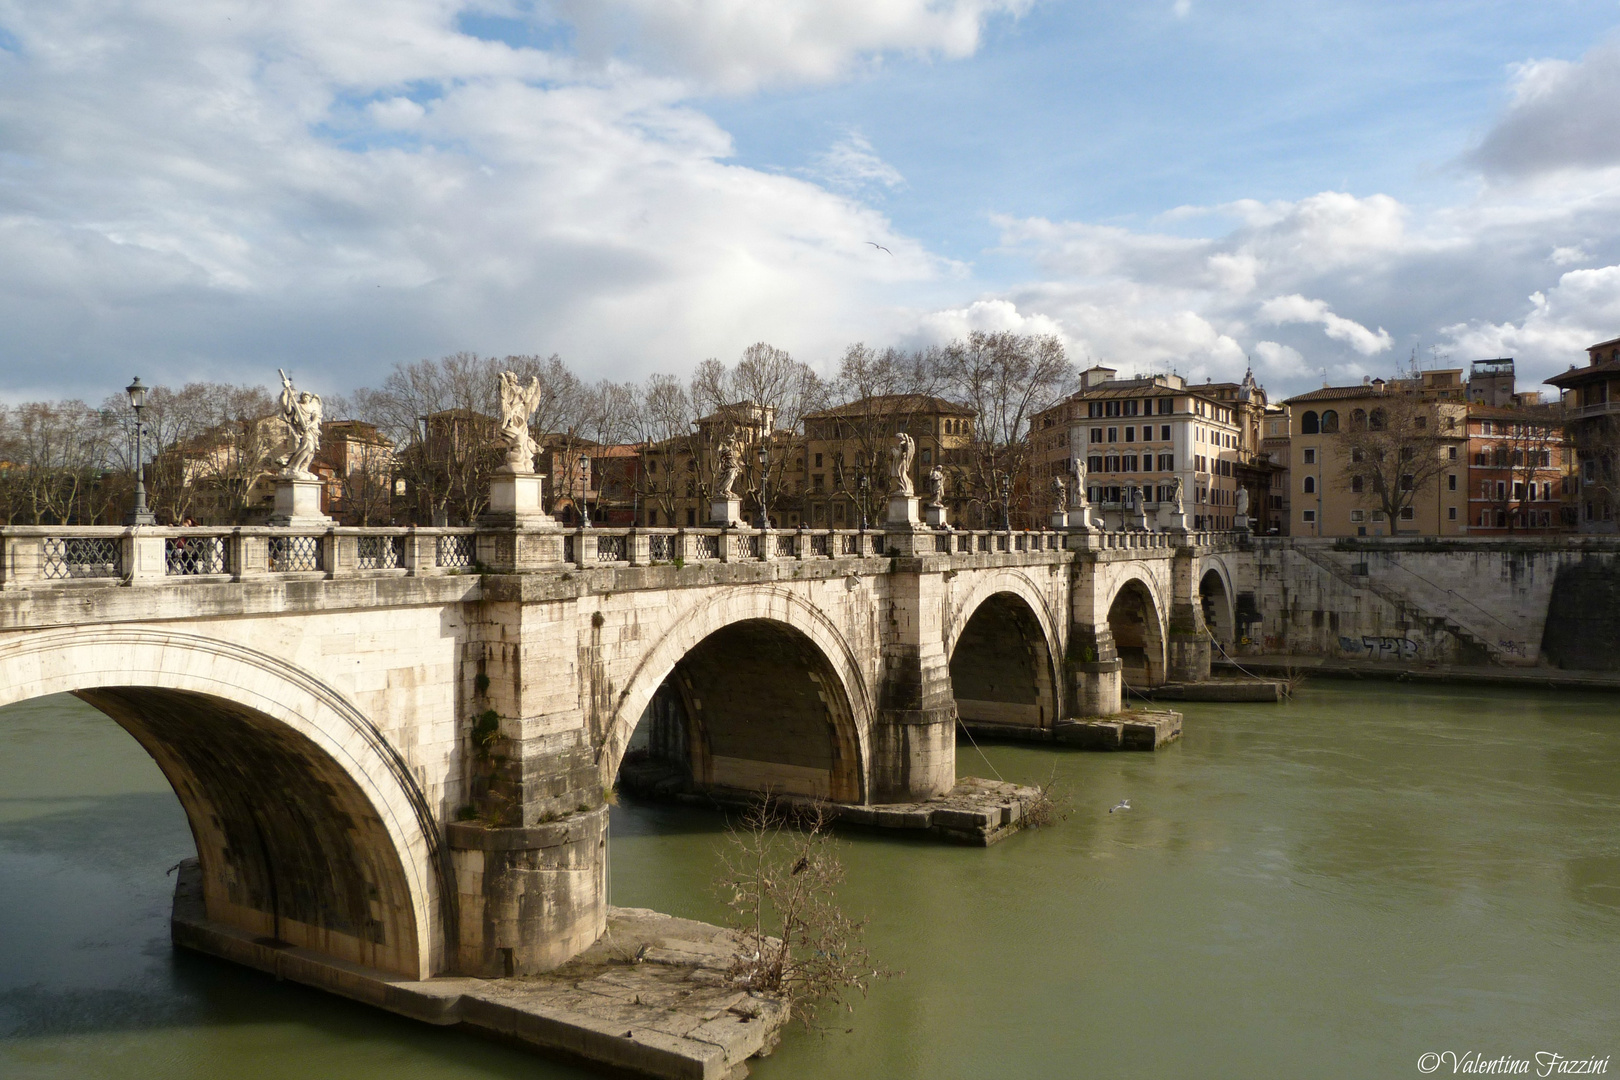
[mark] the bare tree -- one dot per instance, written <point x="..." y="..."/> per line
<point x="1006" y="379"/>
<point x="662" y="422"/>
<point x="1526" y="458"/>
<point x="1398" y="449"/>
<point x="780" y="878"/>
<point x="55" y="455"/>
<point x="764" y="397"/>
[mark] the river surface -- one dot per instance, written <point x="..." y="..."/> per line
<point x="1329" y="888"/>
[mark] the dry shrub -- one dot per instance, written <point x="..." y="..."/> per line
<point x="780" y="878"/>
<point x="1051" y="803"/>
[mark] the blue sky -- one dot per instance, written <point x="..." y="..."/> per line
<point x="220" y="188"/>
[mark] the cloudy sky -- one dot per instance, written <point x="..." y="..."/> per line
<point x="217" y="188"/>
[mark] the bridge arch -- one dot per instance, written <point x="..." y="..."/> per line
<point x="1137" y="617"/>
<point x="1218" y="600"/>
<point x="740" y="656"/>
<point x="1002" y="644"/>
<point x="309" y="827"/>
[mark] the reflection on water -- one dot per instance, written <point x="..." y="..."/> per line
<point x="1324" y="889"/>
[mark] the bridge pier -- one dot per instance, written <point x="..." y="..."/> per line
<point x="1093" y="669"/>
<point x="913" y="740"/>
<point x="1188" y="638"/>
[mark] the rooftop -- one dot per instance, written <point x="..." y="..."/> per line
<point x="890" y="404"/>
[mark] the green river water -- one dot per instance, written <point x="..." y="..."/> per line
<point x="1329" y="888"/>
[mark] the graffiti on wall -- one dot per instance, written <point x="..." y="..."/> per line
<point x="1381" y="648"/>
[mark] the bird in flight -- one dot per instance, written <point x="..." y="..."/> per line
<point x="1123" y="804"/>
<point x="879" y="246"/>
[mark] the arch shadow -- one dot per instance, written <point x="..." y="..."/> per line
<point x="1138" y="631"/>
<point x="309" y="828"/>
<point x="753" y="690"/>
<point x="1002" y="665"/>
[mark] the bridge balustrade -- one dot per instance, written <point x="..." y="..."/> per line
<point x="110" y="555"/>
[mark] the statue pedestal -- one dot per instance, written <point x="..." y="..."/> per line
<point x="726" y="513"/>
<point x="516" y="500"/>
<point x="903" y="510"/>
<point x="1138" y="520"/>
<point x="1241" y="523"/>
<point x="1076" y="519"/>
<point x="1175" y="522"/>
<point x="935" y="516"/>
<point x="298" y="504"/>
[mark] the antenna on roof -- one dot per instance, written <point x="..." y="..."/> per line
<point x="1324" y="378"/>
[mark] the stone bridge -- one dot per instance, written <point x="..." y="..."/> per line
<point x="395" y="746"/>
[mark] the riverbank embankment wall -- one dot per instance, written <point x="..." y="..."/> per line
<point x="1549" y="601"/>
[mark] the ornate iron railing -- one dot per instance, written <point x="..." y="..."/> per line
<point x="73" y="557"/>
<point x="192" y="556"/>
<point x="295" y="554"/>
<point x="455" y="552"/>
<point x="381" y="552"/>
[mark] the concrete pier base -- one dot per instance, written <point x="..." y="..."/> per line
<point x="974" y="811"/>
<point x="649" y="998"/>
<point x="1136" y="729"/>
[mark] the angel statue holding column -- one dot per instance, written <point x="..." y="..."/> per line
<point x="518" y="402"/>
<point x="900" y="455"/>
<point x="302" y="414"/>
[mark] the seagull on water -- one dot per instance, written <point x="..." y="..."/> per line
<point x="879" y="246"/>
<point x="1123" y="804"/>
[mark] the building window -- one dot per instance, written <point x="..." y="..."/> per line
<point x="1451" y="453"/>
<point x="1113" y="434"/>
<point x="1167" y="463"/>
<point x="1130" y="463"/>
<point x="1094" y="463"/>
<point x="1130" y="434"/>
<point x="1451" y="481"/>
<point x="1310" y="424"/>
<point x="927" y="458"/>
<point x="691" y="517"/>
<point x="1308" y="516"/>
<point x="1375" y="420"/>
<point x="1358" y="515"/>
<point x="1096" y="434"/>
<point x="1451" y="513"/>
<point x="1111" y="463"/>
<point x="1310" y="485"/>
<point x="1408" y="513"/>
<point x="1330" y="422"/>
<point x="1164" y="432"/>
<point x="1357" y="485"/>
<point x="1310" y="455"/>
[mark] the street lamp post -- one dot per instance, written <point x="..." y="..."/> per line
<point x="762" y="457"/>
<point x="584" y="492"/>
<point x="140" y="515"/>
<point x="1006" y="502"/>
<point x="864" y="486"/>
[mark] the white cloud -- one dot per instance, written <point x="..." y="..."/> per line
<point x="215" y="190"/>
<point x="1294" y="308"/>
<point x="738" y="46"/>
<point x="1563" y="115"/>
<point x="1582" y="308"/>
<point x="851" y="164"/>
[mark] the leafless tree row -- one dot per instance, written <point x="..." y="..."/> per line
<point x="209" y="447"/>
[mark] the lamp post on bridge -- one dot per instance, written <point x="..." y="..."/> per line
<point x="762" y="456"/>
<point x="140" y="515"/>
<point x="584" y="492"/>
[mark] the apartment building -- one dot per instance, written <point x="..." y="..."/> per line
<point x="1142" y="433"/>
<point x="1519" y="469"/>
<point x="1362" y="455"/>
<point x="1591" y="407"/>
<point x="846" y="457"/>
